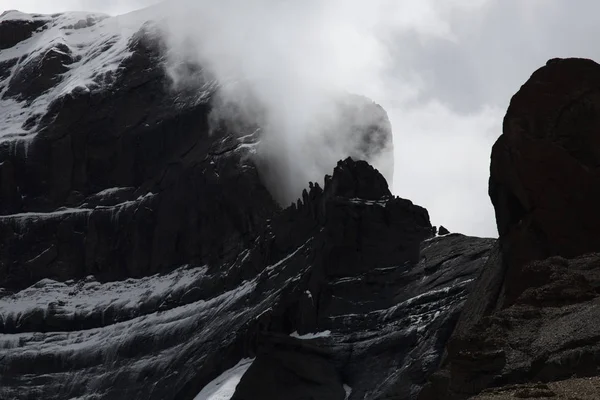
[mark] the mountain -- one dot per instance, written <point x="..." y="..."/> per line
<point x="142" y="255"/>
<point x="145" y="252"/>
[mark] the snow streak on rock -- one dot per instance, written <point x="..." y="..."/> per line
<point x="223" y="387"/>
<point x="88" y="49"/>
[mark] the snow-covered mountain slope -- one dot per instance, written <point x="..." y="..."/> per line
<point x="64" y="53"/>
<point x="141" y="255"/>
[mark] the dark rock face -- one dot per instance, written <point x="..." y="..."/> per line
<point x="15" y="31"/>
<point x="124" y="183"/>
<point x="544" y="180"/>
<point x="141" y="255"/>
<point x="532" y="315"/>
<point x="443" y="231"/>
<point x="550" y="332"/>
<point x="367" y="274"/>
<point x="40" y="73"/>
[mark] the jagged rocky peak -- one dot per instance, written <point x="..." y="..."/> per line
<point x="532" y="322"/>
<point x="351" y="179"/>
<point x="357" y="179"/>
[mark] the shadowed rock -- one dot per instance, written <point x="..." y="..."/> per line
<point x="544" y="177"/>
<point x="533" y="313"/>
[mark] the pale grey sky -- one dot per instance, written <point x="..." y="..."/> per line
<point x="112" y="7"/>
<point x="443" y="69"/>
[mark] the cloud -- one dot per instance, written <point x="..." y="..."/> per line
<point x="444" y="70"/>
<point x="111" y="7"/>
<point x="298" y="60"/>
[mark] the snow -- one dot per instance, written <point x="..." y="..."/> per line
<point x="252" y="147"/>
<point x="273" y="267"/>
<point x="348" y="391"/>
<point x="15" y="15"/>
<point x="310" y="296"/>
<point x="356" y="200"/>
<point x="106" y="340"/>
<point x="435" y="292"/>
<point x="223" y="387"/>
<point x="85" y="297"/>
<point x="309" y="336"/>
<point x="22" y="219"/>
<point x="110" y="191"/>
<point x="251" y="136"/>
<point x="97" y="43"/>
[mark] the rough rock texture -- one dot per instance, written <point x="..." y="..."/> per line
<point x="544" y="177"/>
<point x="16" y="31"/>
<point x="141" y="255"/>
<point x="569" y="389"/>
<point x="124" y="182"/>
<point x="532" y="316"/>
<point x="368" y="273"/>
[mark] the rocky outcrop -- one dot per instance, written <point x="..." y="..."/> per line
<point x="532" y="316"/>
<point x="544" y="181"/>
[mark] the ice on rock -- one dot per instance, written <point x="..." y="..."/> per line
<point x="309" y="336"/>
<point x="348" y="391"/>
<point x="97" y="43"/>
<point x="223" y="387"/>
<point x="85" y="297"/>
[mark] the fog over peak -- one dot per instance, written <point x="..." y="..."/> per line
<point x="298" y="63"/>
<point x="443" y="70"/>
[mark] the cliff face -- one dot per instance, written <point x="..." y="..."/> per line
<point x="533" y="315"/>
<point x="141" y="255"/>
<point x="113" y="174"/>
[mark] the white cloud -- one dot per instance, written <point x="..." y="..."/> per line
<point x="443" y="69"/>
<point x="112" y="7"/>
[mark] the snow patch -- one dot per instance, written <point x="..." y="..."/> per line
<point x="348" y="391"/>
<point x="271" y="268"/>
<point x="223" y="387"/>
<point x="85" y="297"/>
<point x="96" y="42"/>
<point x="309" y="336"/>
<point x="111" y="191"/>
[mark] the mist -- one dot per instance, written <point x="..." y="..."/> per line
<point x="443" y="70"/>
<point x="293" y="67"/>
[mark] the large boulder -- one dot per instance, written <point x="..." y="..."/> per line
<point x="533" y="313"/>
<point x="544" y="175"/>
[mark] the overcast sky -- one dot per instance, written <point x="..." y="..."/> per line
<point x="446" y="70"/>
